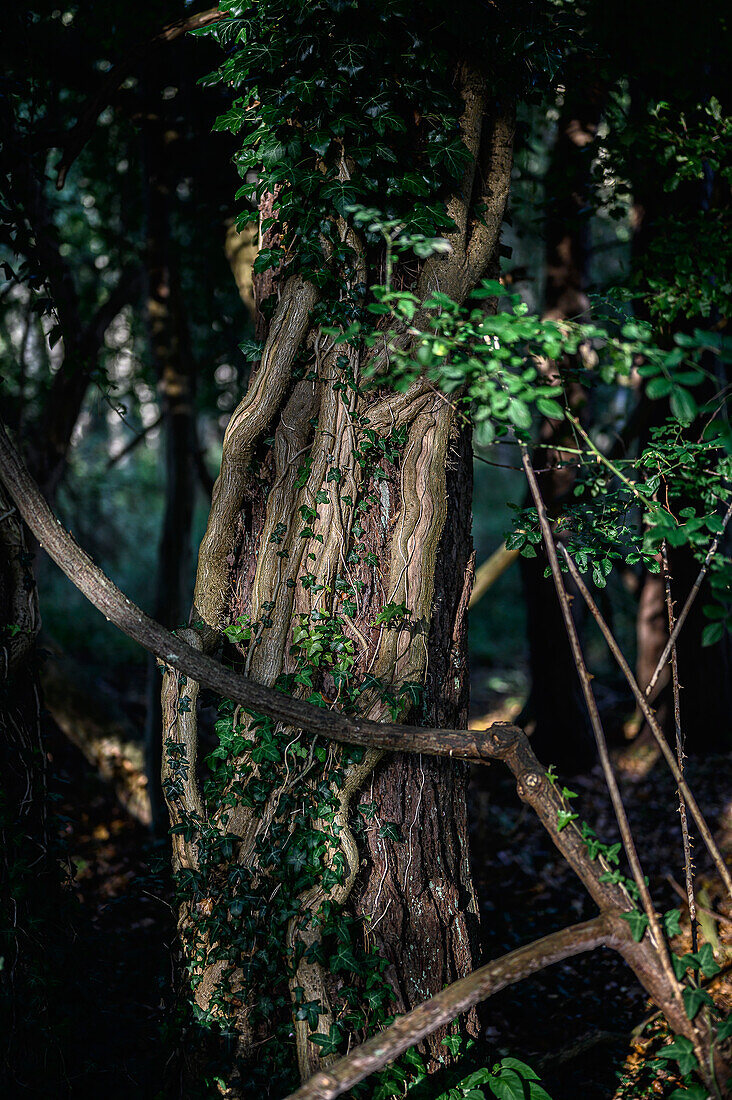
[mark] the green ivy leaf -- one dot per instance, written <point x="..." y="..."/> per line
<point x="672" y="922"/>
<point x="694" y="998"/>
<point x="638" y="923"/>
<point x="681" y="1050"/>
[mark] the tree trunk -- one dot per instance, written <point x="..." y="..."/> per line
<point x="31" y="916"/>
<point x="561" y="730"/>
<point x="173" y="364"/>
<point x="338" y="541"/>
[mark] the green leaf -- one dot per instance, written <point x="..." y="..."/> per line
<point x="507" y="1085"/>
<point x="712" y="633"/>
<point x="681" y="1051"/>
<point x="550" y="408"/>
<point x="724" y="1028"/>
<point x="683" y="405"/>
<point x="707" y="963"/>
<point x="390" y="831"/>
<point x="694" y="998"/>
<point x="519" y="413"/>
<point x="671" y="922"/>
<point x="563" y="819"/>
<point x="691" y="1092"/>
<point x="638" y="923"/>
<point x="521" y="1068"/>
<point x="659" y="387"/>
<point x="328" y="1043"/>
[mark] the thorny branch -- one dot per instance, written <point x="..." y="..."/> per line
<point x="652" y="721"/>
<point x="685" y="838"/>
<point x="687" y="605"/>
<point x="602" y="749"/>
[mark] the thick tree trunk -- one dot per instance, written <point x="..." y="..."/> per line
<point x="417" y="892"/>
<point x="338" y="537"/>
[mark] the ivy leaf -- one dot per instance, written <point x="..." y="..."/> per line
<point x="563" y="819"/>
<point x="696" y="1091"/>
<point x="638" y="923"/>
<point x="681" y="1051"/>
<point x="707" y="964"/>
<point x="328" y="1043"/>
<point x="694" y="998"/>
<point x="671" y="922"/>
<point x="390" y="831"/>
<point x="453" y="1043"/>
<point x="724" y="1029"/>
<point x="309" y="1010"/>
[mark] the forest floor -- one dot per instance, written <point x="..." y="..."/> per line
<point x="573" y="1024"/>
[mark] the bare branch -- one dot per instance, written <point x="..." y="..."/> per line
<point x="685" y="838"/>
<point x="602" y="749"/>
<point x="652" y="721"/>
<point x="117" y="608"/>
<point x="501" y="742"/>
<point x="409" y="1029"/>
<point x="687" y="605"/>
<point x="134" y="442"/>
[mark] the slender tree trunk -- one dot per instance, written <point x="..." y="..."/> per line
<point x="172" y="360"/>
<point x="561" y="730"/>
<point x="31" y="921"/>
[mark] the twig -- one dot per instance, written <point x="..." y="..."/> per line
<point x="134" y="442"/>
<point x="409" y="1029"/>
<point x="472" y="745"/>
<point x="685" y="838"/>
<point x="687" y="605"/>
<point x="501" y="741"/>
<point x="652" y="721"/>
<point x="602" y="749"/>
<point x="610" y="465"/>
<point x="679" y="889"/>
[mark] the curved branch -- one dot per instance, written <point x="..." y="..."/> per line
<point x="408" y="1030"/>
<point x="172" y="651"/>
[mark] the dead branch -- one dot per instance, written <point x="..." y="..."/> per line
<point x="134" y="442"/>
<point x="602" y="749"/>
<point x="652" y="721"/>
<point x="500" y="742"/>
<point x="172" y="651"/>
<point x="685" y="838"/>
<point x="409" y="1029"/>
<point x="687" y="605"/>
